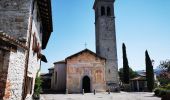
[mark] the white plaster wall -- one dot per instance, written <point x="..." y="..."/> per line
<point x="34" y="61"/>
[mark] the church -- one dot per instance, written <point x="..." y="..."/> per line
<point x="88" y="70"/>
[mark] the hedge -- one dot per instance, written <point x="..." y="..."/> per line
<point x="161" y="92"/>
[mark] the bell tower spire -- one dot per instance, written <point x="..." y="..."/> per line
<point x="106" y="39"/>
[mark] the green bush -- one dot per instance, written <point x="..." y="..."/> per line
<point x="167" y="87"/>
<point x="161" y="92"/>
<point x="126" y="87"/>
<point x="156" y="91"/>
<point x="37" y="87"/>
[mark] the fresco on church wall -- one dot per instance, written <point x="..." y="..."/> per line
<point x="83" y="65"/>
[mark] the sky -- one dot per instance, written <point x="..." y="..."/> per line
<point x="140" y="24"/>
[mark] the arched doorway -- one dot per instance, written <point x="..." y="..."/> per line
<point x="86" y="84"/>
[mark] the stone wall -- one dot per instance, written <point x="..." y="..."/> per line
<point x="14" y="16"/>
<point x="106" y="39"/>
<point x="83" y="65"/>
<point x="13" y="74"/>
<point x="14" y="21"/>
<point x="107" y="47"/>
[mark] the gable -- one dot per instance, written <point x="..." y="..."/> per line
<point x="85" y="53"/>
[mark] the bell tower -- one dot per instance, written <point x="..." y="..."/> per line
<point x="106" y="40"/>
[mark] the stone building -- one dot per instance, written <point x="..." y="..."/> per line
<point x="83" y="70"/>
<point x="58" y="82"/>
<point x="106" y="40"/>
<point x="88" y="70"/>
<point x="25" y="27"/>
<point x="139" y="82"/>
<point x="46" y="79"/>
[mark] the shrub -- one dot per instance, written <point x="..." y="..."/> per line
<point x="37" y="87"/>
<point x="161" y="92"/>
<point x="126" y="87"/>
<point x="156" y="91"/>
<point x="167" y="87"/>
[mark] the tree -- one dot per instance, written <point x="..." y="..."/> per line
<point x="165" y="65"/>
<point x="149" y="72"/>
<point x="37" y="87"/>
<point x="164" y="77"/>
<point x="132" y="73"/>
<point x="125" y="66"/>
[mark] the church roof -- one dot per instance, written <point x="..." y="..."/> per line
<point x="86" y="50"/>
<point x="139" y="78"/>
<point x="51" y="68"/>
<point x="62" y="61"/>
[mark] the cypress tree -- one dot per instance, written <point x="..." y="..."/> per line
<point x="149" y="72"/>
<point x="125" y="66"/>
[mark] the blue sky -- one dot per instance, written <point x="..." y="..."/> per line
<point x="140" y="24"/>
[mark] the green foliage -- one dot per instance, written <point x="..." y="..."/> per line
<point x="161" y="92"/>
<point x="164" y="77"/>
<point x="157" y="91"/>
<point x="37" y="86"/>
<point x="168" y="86"/>
<point x="126" y="87"/>
<point x="125" y="65"/>
<point x="149" y="72"/>
<point x="132" y="73"/>
<point x="163" y="80"/>
<point x="165" y="65"/>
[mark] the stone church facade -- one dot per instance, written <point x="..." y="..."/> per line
<point x="83" y="70"/>
<point x="23" y="35"/>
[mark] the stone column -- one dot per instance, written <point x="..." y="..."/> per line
<point x="137" y="85"/>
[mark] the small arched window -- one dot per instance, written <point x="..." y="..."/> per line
<point x="102" y="11"/>
<point x="108" y="11"/>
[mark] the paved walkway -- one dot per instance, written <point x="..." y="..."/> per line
<point x="102" y="96"/>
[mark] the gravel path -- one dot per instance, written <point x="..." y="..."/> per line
<point x="102" y="96"/>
